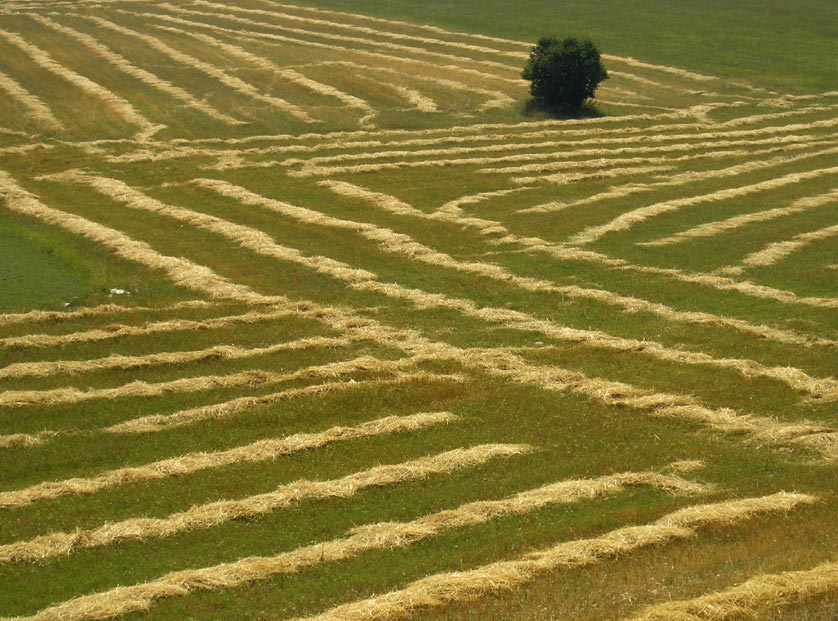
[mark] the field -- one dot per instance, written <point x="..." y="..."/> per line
<point x="305" y="315"/>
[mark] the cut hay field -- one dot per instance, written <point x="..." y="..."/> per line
<point x="304" y="315"/>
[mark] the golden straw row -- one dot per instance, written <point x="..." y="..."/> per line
<point x="200" y="517"/>
<point x="140" y="597"/>
<point x="446" y="588"/>
<point x="760" y="593"/>
<point x="778" y="251"/>
<point x="86" y="85"/>
<point x="711" y="229"/>
<point x="38" y="110"/>
<point x="9" y="319"/>
<point x="209" y="69"/>
<point x="146" y="77"/>
<point x="261" y="450"/>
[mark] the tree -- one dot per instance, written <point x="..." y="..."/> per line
<point x="564" y="74"/>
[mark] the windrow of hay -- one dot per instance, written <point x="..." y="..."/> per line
<point x="452" y="213"/>
<point x="331" y="48"/>
<point x="125" y="110"/>
<point x="245" y="236"/>
<point x="765" y="592"/>
<point x="445" y="588"/>
<point x="309" y="170"/>
<point x="630" y="218"/>
<point x="287" y="74"/>
<point x="161" y="422"/>
<point x="416" y="99"/>
<point x="628" y="60"/>
<point x="38" y="110"/>
<point x="820" y="388"/>
<point x="8" y="319"/>
<point x="711" y="229"/>
<point x="25" y="439"/>
<point x="181" y="271"/>
<point x="261" y="450"/>
<point x="777" y="251"/>
<point x="689" y="177"/>
<point x="49" y="368"/>
<point x="144" y="76"/>
<point x="384" y="535"/>
<point x="330" y="34"/>
<point x="157" y="327"/>
<point x="285" y="496"/>
<point x="225" y="78"/>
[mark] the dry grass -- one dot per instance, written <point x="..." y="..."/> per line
<point x="441" y="589"/>
<point x="119" y="105"/>
<point x="144" y="76"/>
<point x="122" y="600"/>
<point x="8" y="319"/>
<point x="780" y="250"/>
<point x="768" y="591"/>
<point x="262" y="450"/>
<point x="718" y="227"/>
<point x="211" y="70"/>
<point x="38" y="110"/>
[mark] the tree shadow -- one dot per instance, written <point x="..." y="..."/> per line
<point x="533" y="109"/>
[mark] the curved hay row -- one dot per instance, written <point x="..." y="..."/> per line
<point x="225" y="78"/>
<point x="767" y="591"/>
<point x="182" y="272"/>
<point x="199" y="517"/>
<point x="261" y="450"/>
<point x="9" y="319"/>
<point x="38" y="110"/>
<point x="373" y="43"/>
<point x="711" y="229"/>
<point x="49" y="368"/>
<point x="86" y="85"/>
<point x="445" y="588"/>
<point x="159" y="422"/>
<point x="393" y="205"/>
<point x="158" y="327"/>
<point x="385" y="535"/>
<point x="777" y="251"/>
<point x="628" y="219"/>
<point x="146" y="77"/>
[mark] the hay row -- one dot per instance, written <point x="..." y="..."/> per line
<point x="160" y="422"/>
<point x="225" y="78"/>
<point x="819" y="388"/>
<point x="778" y="251"/>
<point x="384" y="535"/>
<point x="157" y="327"/>
<point x="628" y="219"/>
<point x="199" y="517"/>
<point x="24" y="439"/>
<point x="8" y="319"/>
<point x="254" y="377"/>
<point x="144" y="76"/>
<point x="394" y="205"/>
<point x="332" y="48"/>
<point x="309" y="170"/>
<point x="446" y="588"/>
<point x="49" y="368"/>
<point x="764" y="592"/>
<point x="416" y="99"/>
<point x="182" y="272"/>
<point x="245" y="236"/>
<point x="125" y="110"/>
<point x="38" y="110"/>
<point x="366" y="41"/>
<point x="632" y="62"/>
<point x="689" y="177"/>
<point x="575" y="141"/>
<point x="261" y="450"/>
<point x="711" y="229"/>
<point x="287" y="74"/>
<point x="400" y="36"/>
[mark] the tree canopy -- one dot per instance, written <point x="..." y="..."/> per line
<point x="564" y="74"/>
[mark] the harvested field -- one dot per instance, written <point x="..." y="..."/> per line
<point x="307" y="313"/>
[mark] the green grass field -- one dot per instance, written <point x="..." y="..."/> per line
<point x="304" y="315"/>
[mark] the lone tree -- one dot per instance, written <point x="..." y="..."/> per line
<point x="564" y="74"/>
